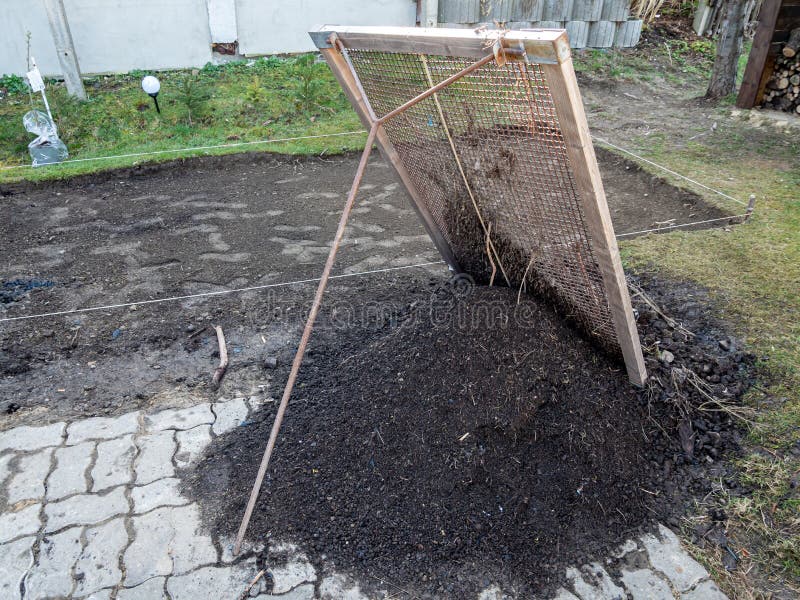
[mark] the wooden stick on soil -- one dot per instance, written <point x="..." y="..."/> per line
<point x="255" y="580"/>
<point x="223" y="357"/>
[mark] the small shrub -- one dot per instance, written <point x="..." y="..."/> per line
<point x="13" y="84"/>
<point x="255" y="93"/>
<point x="269" y="62"/>
<point x="194" y="96"/>
<point x="307" y="83"/>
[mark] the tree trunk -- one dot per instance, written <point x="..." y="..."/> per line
<point x="729" y="48"/>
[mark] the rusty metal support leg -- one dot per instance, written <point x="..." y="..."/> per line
<point x="312" y="316"/>
<point x="301" y="349"/>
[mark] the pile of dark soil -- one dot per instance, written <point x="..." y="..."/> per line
<point x="465" y="439"/>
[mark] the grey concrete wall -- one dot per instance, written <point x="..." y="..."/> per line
<point x="109" y="35"/>
<point x="121" y="35"/>
<point x="270" y="26"/>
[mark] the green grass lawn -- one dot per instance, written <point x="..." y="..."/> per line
<point x="753" y="275"/>
<point x="218" y="105"/>
<point x="752" y="271"/>
<point x="244" y="101"/>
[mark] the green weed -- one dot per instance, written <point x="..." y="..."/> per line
<point x="12" y="84"/>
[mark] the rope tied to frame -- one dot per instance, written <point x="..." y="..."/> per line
<point x="494" y="41"/>
<point x="487" y="230"/>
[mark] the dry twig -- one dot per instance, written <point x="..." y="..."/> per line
<point x="198" y="332"/>
<point x="523" y="285"/>
<point x="258" y="576"/>
<point x="223" y="357"/>
<point x="489" y="254"/>
<point x="637" y="291"/>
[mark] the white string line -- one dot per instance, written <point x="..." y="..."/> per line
<point x="665" y="227"/>
<point x="347" y="133"/>
<point x="217" y="293"/>
<point x="191" y="149"/>
<point x="670" y="171"/>
<point x="301" y="281"/>
<point x="274" y="285"/>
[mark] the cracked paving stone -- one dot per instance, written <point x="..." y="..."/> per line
<point x="337" y="587"/>
<point x="594" y="583"/>
<point x="27" y="439"/>
<point x="163" y="492"/>
<point x="182" y="418"/>
<point x="98" y="595"/>
<point x="706" y="590"/>
<point x="667" y="555"/>
<point x="230" y="414"/>
<point x="69" y="476"/>
<point x="643" y="584"/>
<point x="301" y="592"/>
<point x="167" y="541"/>
<point x="152" y="589"/>
<point x="22" y="522"/>
<point x="15" y="560"/>
<point x="155" y="457"/>
<point x="212" y="582"/>
<point x="226" y="544"/>
<point x="291" y="575"/>
<point x="28" y="482"/>
<point x="5" y="467"/>
<point x="191" y="444"/>
<point x="52" y="575"/>
<point x="625" y="548"/>
<point x="114" y="464"/>
<point x="85" y="509"/>
<point x="98" y="564"/>
<point x="102" y="428"/>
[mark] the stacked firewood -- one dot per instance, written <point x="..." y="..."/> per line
<point x="783" y="88"/>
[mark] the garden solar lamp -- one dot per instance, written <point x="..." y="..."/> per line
<point x="151" y="85"/>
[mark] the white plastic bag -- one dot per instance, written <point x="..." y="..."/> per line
<point x="47" y="148"/>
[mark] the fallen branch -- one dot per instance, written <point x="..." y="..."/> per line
<point x="223" y="357"/>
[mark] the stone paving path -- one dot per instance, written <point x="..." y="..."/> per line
<point x="93" y="509"/>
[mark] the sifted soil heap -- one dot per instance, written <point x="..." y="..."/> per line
<point x="460" y="438"/>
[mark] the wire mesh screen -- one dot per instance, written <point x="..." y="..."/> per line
<point x="487" y="156"/>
